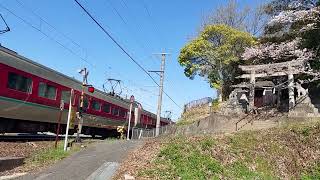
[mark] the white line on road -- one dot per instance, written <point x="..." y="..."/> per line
<point x="104" y="172"/>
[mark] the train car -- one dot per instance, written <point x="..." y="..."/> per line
<point x="30" y="97"/>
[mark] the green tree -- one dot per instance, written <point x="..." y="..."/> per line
<point x="215" y="54"/>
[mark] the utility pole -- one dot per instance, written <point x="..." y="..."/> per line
<point x="162" y="68"/>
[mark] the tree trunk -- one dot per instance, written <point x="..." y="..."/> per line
<point x="220" y="91"/>
<point x="219" y="95"/>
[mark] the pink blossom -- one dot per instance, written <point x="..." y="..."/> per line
<point x="278" y="51"/>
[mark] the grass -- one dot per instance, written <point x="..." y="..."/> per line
<point x="185" y="159"/>
<point x="49" y="156"/>
<point x="289" y="152"/>
<point x="197" y="113"/>
<point x="314" y="173"/>
<point x="193" y="115"/>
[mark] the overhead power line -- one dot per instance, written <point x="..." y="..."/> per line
<point x="48" y="36"/>
<point x="154" y="24"/>
<point x="129" y="28"/>
<point x="124" y="5"/>
<point x="138" y="24"/>
<point x="60" y="32"/>
<point x="152" y="21"/>
<point x="54" y="28"/>
<point x="124" y="51"/>
<point x="45" y="34"/>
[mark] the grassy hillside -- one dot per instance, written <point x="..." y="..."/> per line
<point x="197" y="113"/>
<point x="291" y="152"/>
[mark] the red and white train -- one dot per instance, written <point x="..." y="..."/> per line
<point x="30" y="96"/>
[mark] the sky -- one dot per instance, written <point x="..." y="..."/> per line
<point x="59" y="35"/>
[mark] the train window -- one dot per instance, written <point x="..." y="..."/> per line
<point x="115" y="111"/>
<point x="65" y="96"/>
<point x="47" y="91"/>
<point x="122" y="113"/>
<point x="20" y="83"/>
<point x="106" y="108"/>
<point x="96" y="105"/>
<point x="85" y="103"/>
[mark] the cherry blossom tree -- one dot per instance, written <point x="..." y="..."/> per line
<point x="284" y="36"/>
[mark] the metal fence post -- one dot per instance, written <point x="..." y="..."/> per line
<point x="140" y="134"/>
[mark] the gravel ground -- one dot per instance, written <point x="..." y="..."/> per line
<point x="29" y="149"/>
<point x="140" y="158"/>
<point x="22" y="149"/>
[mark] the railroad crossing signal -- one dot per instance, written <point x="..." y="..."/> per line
<point x="91" y="89"/>
<point x="84" y="72"/>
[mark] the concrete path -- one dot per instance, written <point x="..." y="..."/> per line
<point x="99" y="161"/>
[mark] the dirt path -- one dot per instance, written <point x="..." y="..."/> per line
<point x="84" y="163"/>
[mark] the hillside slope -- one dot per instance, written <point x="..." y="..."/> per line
<point x="287" y="152"/>
<point x="197" y="113"/>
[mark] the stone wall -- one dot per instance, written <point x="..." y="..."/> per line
<point x="304" y="108"/>
<point x="227" y="124"/>
<point x="212" y="124"/>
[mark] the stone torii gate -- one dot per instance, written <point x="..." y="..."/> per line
<point x="289" y="69"/>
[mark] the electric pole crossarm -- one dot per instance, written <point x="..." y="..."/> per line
<point x="157" y="72"/>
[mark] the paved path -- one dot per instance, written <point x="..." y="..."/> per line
<point x="99" y="160"/>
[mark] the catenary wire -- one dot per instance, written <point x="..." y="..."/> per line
<point x="46" y="22"/>
<point x="124" y="51"/>
<point x="39" y="30"/>
<point x="49" y="37"/>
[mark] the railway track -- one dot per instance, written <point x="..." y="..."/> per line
<point x="37" y="137"/>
